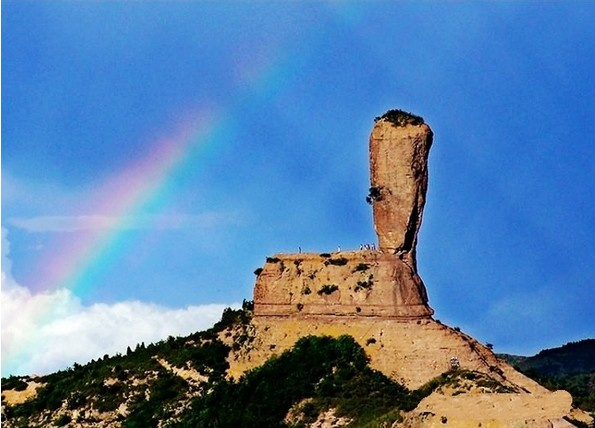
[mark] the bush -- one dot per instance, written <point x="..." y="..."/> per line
<point x="363" y="285"/>
<point x="341" y="261"/>
<point x="164" y="391"/>
<point x="231" y="317"/>
<point x="400" y="118"/>
<point x="14" y="382"/>
<point x="361" y="267"/>
<point x="374" y="195"/>
<point x="63" y="420"/>
<point x="328" y="289"/>
<point x="332" y="372"/>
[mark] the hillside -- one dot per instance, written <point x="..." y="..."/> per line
<point x="150" y="383"/>
<point x="570" y="359"/>
<point x="180" y="382"/>
<point x="570" y="367"/>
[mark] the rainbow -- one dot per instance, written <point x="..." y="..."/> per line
<point x="74" y="263"/>
<point x="146" y="186"/>
<point x="149" y="183"/>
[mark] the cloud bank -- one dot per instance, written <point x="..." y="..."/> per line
<point x="45" y="332"/>
<point x="99" y="222"/>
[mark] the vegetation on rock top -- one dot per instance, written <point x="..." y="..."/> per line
<point x="400" y="118"/>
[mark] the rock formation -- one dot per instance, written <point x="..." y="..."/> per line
<point x="399" y="148"/>
<point x="365" y="283"/>
<point x="378" y="298"/>
<point x="353" y="284"/>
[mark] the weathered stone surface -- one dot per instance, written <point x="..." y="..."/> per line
<point x="389" y="286"/>
<point x="354" y="283"/>
<point x="410" y="351"/>
<point x="538" y="410"/>
<point x="413" y="352"/>
<point x="399" y="179"/>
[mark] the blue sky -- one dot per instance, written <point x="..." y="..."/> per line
<point x="287" y="94"/>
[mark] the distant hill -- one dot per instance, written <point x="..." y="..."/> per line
<point x="570" y="367"/>
<point x="572" y="358"/>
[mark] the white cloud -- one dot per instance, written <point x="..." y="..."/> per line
<point x="48" y="331"/>
<point x="75" y="223"/>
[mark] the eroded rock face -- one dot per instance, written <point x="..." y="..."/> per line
<point x="365" y="283"/>
<point x="353" y="283"/>
<point x="399" y="149"/>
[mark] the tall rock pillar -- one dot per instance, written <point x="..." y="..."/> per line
<point x="399" y="147"/>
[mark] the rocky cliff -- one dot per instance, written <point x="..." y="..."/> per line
<point x="378" y="298"/>
<point x="365" y="283"/>
<point x="357" y="284"/>
<point x="399" y="149"/>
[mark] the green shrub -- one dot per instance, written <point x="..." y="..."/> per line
<point x="328" y="289"/>
<point x="374" y="195"/>
<point x="232" y="317"/>
<point x="365" y="285"/>
<point x="361" y="267"/>
<point x="164" y="391"/>
<point x="14" y="382"/>
<point x="331" y="372"/>
<point x="63" y="420"/>
<point x="400" y="118"/>
<point x="341" y="261"/>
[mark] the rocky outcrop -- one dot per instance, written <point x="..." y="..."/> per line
<point x="497" y="410"/>
<point x="412" y="352"/>
<point x="355" y="283"/>
<point x="365" y="283"/>
<point x="399" y="148"/>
